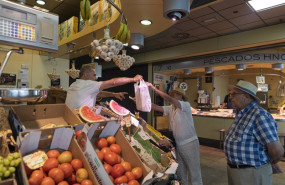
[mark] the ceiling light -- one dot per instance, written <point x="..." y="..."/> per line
<point x="240" y="67"/>
<point x="210" y="20"/>
<point x="145" y="22"/>
<point x="187" y="71"/>
<point x="176" y="10"/>
<point x="209" y="69"/>
<point x="277" y="66"/>
<point x="41" y="2"/>
<point x="136" y="41"/>
<point x="260" y="5"/>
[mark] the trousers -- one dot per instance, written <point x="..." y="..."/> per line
<point x="188" y="158"/>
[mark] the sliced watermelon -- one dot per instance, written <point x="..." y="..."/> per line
<point x="118" y="109"/>
<point x="88" y="115"/>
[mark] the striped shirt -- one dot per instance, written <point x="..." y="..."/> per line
<point x="248" y="136"/>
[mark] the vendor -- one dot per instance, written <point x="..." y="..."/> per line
<point x="227" y="102"/>
<point x="85" y="90"/>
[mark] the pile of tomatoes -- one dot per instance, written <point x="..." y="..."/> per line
<point x="120" y="171"/>
<point x="60" y="169"/>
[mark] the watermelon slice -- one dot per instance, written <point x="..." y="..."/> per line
<point x="88" y="115"/>
<point x="118" y="109"/>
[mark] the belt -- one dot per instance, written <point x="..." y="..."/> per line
<point x="239" y="165"/>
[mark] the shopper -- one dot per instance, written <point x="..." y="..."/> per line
<point x="182" y="125"/>
<point x="252" y="143"/>
<point x="85" y="90"/>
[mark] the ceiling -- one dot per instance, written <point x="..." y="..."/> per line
<point x="218" y="18"/>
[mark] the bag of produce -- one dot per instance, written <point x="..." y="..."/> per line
<point x="143" y="100"/>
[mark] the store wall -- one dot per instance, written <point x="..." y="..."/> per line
<point x="39" y="66"/>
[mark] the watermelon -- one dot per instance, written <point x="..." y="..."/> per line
<point x="88" y="115"/>
<point x="118" y="109"/>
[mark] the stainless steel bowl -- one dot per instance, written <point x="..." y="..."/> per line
<point x="22" y="95"/>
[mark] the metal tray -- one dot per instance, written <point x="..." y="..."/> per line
<point x="22" y="95"/>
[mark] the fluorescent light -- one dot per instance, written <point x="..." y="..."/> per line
<point x="240" y="67"/>
<point x="277" y="66"/>
<point x="135" y="47"/>
<point x="259" y="5"/>
<point x="41" y="2"/>
<point x="145" y="22"/>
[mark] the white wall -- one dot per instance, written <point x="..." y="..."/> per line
<point x="39" y="66"/>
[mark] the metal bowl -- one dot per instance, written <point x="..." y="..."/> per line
<point x="22" y="95"/>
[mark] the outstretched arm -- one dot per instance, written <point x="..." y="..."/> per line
<point x="165" y="96"/>
<point x="106" y="94"/>
<point x="119" y="81"/>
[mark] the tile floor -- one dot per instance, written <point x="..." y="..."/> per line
<point x="214" y="168"/>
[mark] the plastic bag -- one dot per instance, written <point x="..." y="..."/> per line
<point x="143" y="100"/>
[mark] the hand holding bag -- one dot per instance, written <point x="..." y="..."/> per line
<point x="143" y="100"/>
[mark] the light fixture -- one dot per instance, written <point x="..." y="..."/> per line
<point x="41" y="2"/>
<point x="146" y="22"/>
<point x="240" y="67"/>
<point x="260" y="5"/>
<point x="210" y="20"/>
<point x="136" y="41"/>
<point x="209" y="69"/>
<point x="277" y="66"/>
<point x="187" y="71"/>
<point x="176" y="10"/>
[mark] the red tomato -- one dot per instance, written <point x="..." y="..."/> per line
<point x="126" y="165"/>
<point x="117" y="170"/>
<point x="37" y="175"/>
<point x="71" y="179"/>
<point x="67" y="169"/>
<point x="86" y="182"/>
<point x="133" y="182"/>
<point x="63" y="183"/>
<point x="100" y="155"/>
<point x="101" y="143"/>
<point x="53" y="154"/>
<point x="119" y="159"/>
<point x="34" y="181"/>
<point x="108" y="168"/>
<point x="77" y="133"/>
<point x="57" y="174"/>
<point x="76" y="164"/>
<point x="111" y="158"/>
<point x="116" y="148"/>
<point x="50" y="164"/>
<point x="48" y="181"/>
<point x="130" y="176"/>
<point x="105" y="150"/>
<point x="137" y="171"/>
<point x="121" y="180"/>
<point x="111" y="140"/>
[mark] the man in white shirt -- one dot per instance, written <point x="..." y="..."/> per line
<point x="182" y="125"/>
<point x="85" y="90"/>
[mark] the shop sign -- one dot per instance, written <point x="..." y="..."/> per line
<point x="224" y="60"/>
<point x="158" y="78"/>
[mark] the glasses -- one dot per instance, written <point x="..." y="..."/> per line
<point x="233" y="94"/>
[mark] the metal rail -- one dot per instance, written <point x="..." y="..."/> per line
<point x="121" y="12"/>
<point x="20" y="51"/>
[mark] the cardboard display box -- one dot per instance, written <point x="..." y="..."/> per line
<point x="62" y="139"/>
<point x="8" y="182"/>
<point x="103" y="129"/>
<point x="72" y="26"/>
<point x="28" y="117"/>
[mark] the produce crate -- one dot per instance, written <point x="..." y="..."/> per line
<point x="96" y="130"/>
<point x="62" y="139"/>
<point x="28" y="117"/>
<point x="8" y="182"/>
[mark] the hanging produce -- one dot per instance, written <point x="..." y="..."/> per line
<point x="85" y="9"/>
<point x="123" y="61"/>
<point x="72" y="72"/>
<point x="53" y="76"/>
<point x="123" y="34"/>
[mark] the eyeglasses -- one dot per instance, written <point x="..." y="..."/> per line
<point x="233" y="94"/>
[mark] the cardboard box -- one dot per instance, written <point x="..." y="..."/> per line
<point x="72" y="26"/>
<point x="62" y="139"/>
<point x="63" y="30"/>
<point x="8" y="182"/>
<point x="82" y="23"/>
<point x="96" y="130"/>
<point x="28" y="117"/>
<point x="96" y="11"/>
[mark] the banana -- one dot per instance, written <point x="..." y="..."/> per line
<point x="85" y="9"/>
<point x="88" y="10"/>
<point x="128" y="36"/>
<point x="124" y="34"/>
<point x="158" y="134"/>
<point x="82" y="9"/>
<point x="94" y="53"/>
<point x="120" y="31"/>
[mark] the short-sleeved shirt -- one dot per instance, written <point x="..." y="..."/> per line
<point x="247" y="138"/>
<point x="228" y="101"/>
<point x="181" y="123"/>
<point x="82" y="92"/>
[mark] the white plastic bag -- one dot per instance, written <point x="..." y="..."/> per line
<point x="143" y="100"/>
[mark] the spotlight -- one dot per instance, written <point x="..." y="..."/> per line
<point x="145" y="22"/>
<point x="240" y="67"/>
<point x="176" y="9"/>
<point x="136" y="41"/>
<point x="277" y="66"/>
<point x="41" y="2"/>
<point x="209" y="70"/>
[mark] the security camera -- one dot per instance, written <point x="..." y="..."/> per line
<point x="176" y="9"/>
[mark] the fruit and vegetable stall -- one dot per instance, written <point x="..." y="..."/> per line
<point x="50" y="144"/>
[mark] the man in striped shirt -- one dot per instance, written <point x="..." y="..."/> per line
<point x="252" y="144"/>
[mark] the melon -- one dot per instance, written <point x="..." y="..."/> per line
<point x="118" y="109"/>
<point x="88" y="115"/>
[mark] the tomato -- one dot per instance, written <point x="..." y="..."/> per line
<point x="100" y="155"/>
<point x="77" y="133"/>
<point x="111" y="140"/>
<point x="130" y="176"/>
<point x="117" y="170"/>
<point x="67" y="169"/>
<point x="37" y="175"/>
<point x="34" y="181"/>
<point x="119" y="159"/>
<point x="86" y="182"/>
<point x="116" y="148"/>
<point x="63" y="183"/>
<point x="53" y="154"/>
<point x="65" y="157"/>
<point x="57" y="174"/>
<point x="76" y="164"/>
<point x="50" y="164"/>
<point x="108" y="168"/>
<point x="101" y="143"/>
<point x="133" y="182"/>
<point x="121" y="180"/>
<point x="71" y="179"/>
<point x="111" y="158"/>
<point x="105" y="150"/>
<point x="81" y="174"/>
<point x="137" y="171"/>
<point x="48" y="181"/>
<point x="126" y="165"/>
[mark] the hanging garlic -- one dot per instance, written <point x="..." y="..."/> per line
<point x="53" y="76"/>
<point x="72" y="72"/>
<point x="123" y="61"/>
